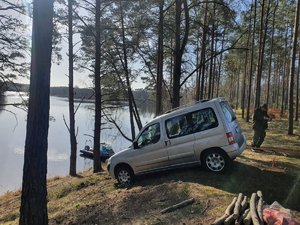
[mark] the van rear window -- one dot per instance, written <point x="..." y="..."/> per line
<point x="228" y="112"/>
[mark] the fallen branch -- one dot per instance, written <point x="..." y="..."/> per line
<point x="206" y="207"/>
<point x="179" y="205"/>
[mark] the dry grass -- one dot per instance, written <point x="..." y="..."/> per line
<point x="95" y="199"/>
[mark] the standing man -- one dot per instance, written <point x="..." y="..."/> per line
<point x="260" y="124"/>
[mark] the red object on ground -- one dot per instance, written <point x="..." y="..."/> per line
<point x="275" y="217"/>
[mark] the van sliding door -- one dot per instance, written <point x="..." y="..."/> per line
<point x="180" y="140"/>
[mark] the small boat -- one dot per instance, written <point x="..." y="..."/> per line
<point x="106" y="151"/>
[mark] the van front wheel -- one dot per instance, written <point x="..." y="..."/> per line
<point x="215" y="160"/>
<point x="124" y="175"/>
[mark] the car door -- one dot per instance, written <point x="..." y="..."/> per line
<point x="180" y="139"/>
<point x="150" y="150"/>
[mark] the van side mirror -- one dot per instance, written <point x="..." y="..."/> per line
<point x="135" y="145"/>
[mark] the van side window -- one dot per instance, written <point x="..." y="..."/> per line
<point x="150" y="135"/>
<point x="190" y="123"/>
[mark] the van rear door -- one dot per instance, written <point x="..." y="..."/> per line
<point x="234" y="129"/>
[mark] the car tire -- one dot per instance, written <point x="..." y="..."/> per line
<point x="215" y="160"/>
<point x="124" y="175"/>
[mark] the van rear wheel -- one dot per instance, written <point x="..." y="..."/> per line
<point x="216" y="161"/>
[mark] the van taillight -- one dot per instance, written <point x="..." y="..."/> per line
<point x="230" y="138"/>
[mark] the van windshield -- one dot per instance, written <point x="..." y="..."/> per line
<point x="228" y="112"/>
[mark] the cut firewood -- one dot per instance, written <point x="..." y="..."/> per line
<point x="237" y="206"/>
<point x="244" y="204"/>
<point x="229" y="209"/>
<point x="239" y="220"/>
<point x="253" y="210"/>
<point x="260" y="210"/>
<point x="259" y="194"/>
<point x="220" y="220"/>
<point x="247" y="217"/>
<point x="179" y="205"/>
<point x="227" y="213"/>
<point x="229" y="220"/>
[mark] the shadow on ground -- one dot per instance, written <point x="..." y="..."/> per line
<point x="276" y="186"/>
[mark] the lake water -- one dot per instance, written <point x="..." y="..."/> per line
<point x="13" y="129"/>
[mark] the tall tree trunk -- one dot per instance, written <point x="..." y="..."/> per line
<point x="251" y="62"/>
<point x="203" y="53"/>
<point x="243" y="95"/>
<point x="220" y="65"/>
<point x="262" y="41"/>
<point x="160" y="59"/>
<point x="97" y="128"/>
<point x="73" y="142"/>
<point x="292" y="71"/>
<point x="177" y="57"/>
<point x="271" y="54"/>
<point x="297" y="89"/>
<point x="238" y="86"/>
<point x="179" y="49"/>
<point x="33" y="210"/>
<point x="212" y="53"/>
<point x="129" y="92"/>
<point x="284" y="72"/>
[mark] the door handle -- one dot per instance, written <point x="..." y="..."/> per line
<point x="166" y="142"/>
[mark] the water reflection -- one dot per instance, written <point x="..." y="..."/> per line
<point x="12" y="137"/>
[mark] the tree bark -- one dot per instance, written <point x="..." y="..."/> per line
<point x="203" y="53"/>
<point x="271" y="55"/>
<point x="33" y="210"/>
<point x="179" y="49"/>
<point x="73" y="142"/>
<point x="160" y="59"/>
<point x="297" y="89"/>
<point x="292" y="71"/>
<point x="210" y="78"/>
<point x="251" y="62"/>
<point x="243" y="95"/>
<point x="97" y="125"/>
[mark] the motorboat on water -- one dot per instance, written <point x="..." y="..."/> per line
<point x="106" y="151"/>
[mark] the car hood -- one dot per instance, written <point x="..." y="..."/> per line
<point x="122" y="153"/>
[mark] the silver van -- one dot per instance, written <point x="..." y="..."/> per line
<point x="206" y="133"/>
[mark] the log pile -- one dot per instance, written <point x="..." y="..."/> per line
<point x="239" y="212"/>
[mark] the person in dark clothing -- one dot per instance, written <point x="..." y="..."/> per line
<point x="260" y="124"/>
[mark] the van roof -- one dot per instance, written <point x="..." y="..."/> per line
<point x="183" y="108"/>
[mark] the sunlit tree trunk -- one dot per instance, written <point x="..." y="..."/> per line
<point x="251" y="62"/>
<point x="292" y="71"/>
<point x="73" y="142"/>
<point x="160" y="59"/>
<point x="297" y="89"/>
<point x="271" y="55"/>
<point x="97" y="125"/>
<point x="179" y="49"/>
<point x="33" y="210"/>
<point x="203" y="53"/>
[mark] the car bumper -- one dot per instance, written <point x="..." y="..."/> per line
<point x="235" y="150"/>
